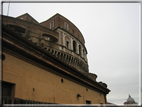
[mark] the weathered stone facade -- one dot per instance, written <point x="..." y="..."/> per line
<point x="47" y="62"/>
<point x="54" y="41"/>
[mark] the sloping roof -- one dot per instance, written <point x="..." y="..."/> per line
<point x="26" y="17"/>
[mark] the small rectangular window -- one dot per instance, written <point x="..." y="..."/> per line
<point x="52" y="25"/>
<point x="73" y="31"/>
<point x="66" y="26"/>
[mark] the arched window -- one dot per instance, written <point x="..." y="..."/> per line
<point x="79" y="50"/>
<point x="74" y="46"/>
<point x="67" y="44"/>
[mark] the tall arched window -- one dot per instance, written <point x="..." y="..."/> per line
<point x="74" y="46"/>
<point x="67" y="44"/>
<point x="79" y="50"/>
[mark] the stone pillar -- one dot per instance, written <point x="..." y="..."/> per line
<point x="84" y="53"/>
<point x="64" y="42"/>
<point x="71" y="44"/>
<point x="77" y="48"/>
<point x="59" y="42"/>
<point x="81" y="52"/>
<point x="86" y="57"/>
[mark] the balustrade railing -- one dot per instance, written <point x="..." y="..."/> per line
<point x="65" y="54"/>
<point x="52" y="44"/>
<point x="69" y="56"/>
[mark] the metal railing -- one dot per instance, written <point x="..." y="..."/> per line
<point x="14" y="100"/>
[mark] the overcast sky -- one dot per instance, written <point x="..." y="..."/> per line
<point x="112" y="38"/>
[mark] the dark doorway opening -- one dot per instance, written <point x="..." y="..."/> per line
<point x="8" y="89"/>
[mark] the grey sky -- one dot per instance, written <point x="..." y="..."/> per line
<point x="112" y="36"/>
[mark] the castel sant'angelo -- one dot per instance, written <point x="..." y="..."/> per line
<point x="47" y="63"/>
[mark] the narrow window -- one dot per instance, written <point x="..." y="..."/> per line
<point x="66" y="26"/>
<point x="67" y="44"/>
<point x="52" y="25"/>
<point x="73" y="31"/>
<point x="88" y="102"/>
<point x="74" y="46"/>
<point x="79" y="50"/>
